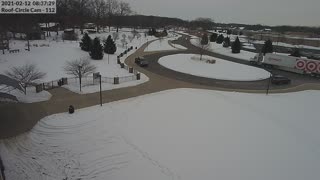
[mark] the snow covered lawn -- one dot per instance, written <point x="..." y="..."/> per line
<point x="73" y="85"/>
<point x="222" y="69"/>
<point x="30" y="97"/>
<point x="52" y="59"/>
<point x="219" y="49"/>
<point x="182" y="134"/>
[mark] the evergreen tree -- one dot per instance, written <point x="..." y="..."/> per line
<point x="213" y="37"/>
<point x="296" y="53"/>
<point x="165" y="33"/>
<point x="96" y="52"/>
<point x="204" y="39"/>
<point x="226" y="42"/>
<point x="86" y="42"/>
<point x="110" y="46"/>
<point x="236" y="46"/>
<point x="267" y="47"/>
<point x="220" y="39"/>
<point x="229" y="31"/>
<point x="152" y="32"/>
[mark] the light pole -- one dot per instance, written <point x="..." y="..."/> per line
<point x="100" y="90"/>
<point x="80" y="67"/>
<point x="269" y="82"/>
<point x="147" y="44"/>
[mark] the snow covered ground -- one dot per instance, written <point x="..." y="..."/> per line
<point x="87" y="89"/>
<point x="51" y="55"/>
<point x="222" y="69"/>
<point x="30" y="97"/>
<point x="163" y="44"/>
<point x="52" y="59"/>
<point x="219" y="49"/>
<point x="289" y="45"/>
<point x="182" y="134"/>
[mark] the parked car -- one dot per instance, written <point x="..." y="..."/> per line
<point x="278" y="80"/>
<point x="141" y="62"/>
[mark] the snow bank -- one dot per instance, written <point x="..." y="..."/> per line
<point x="30" y="97"/>
<point x="178" y="134"/>
<point x="222" y="69"/>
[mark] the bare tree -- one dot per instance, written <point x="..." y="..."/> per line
<point x="123" y="9"/>
<point x="26" y="74"/>
<point x="112" y="6"/>
<point x="134" y="33"/>
<point x="130" y="37"/>
<point x="115" y="36"/>
<point x="99" y="9"/>
<point x="79" y="67"/>
<point x="203" y="44"/>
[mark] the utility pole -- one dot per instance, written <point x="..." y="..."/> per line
<point x="269" y="82"/>
<point x="80" y="67"/>
<point x="100" y="90"/>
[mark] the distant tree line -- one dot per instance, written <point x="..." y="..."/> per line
<point x="75" y="13"/>
<point x="280" y="29"/>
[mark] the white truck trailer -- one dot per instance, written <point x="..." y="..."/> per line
<point x="288" y="63"/>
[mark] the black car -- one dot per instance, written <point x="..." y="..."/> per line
<point x="278" y="80"/>
<point x="141" y="62"/>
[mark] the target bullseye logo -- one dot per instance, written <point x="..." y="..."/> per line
<point x="301" y="64"/>
<point x="312" y="66"/>
<point x="318" y="69"/>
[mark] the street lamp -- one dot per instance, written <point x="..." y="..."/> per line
<point x="147" y="44"/>
<point x="100" y="90"/>
<point x="80" y="67"/>
<point x="269" y="82"/>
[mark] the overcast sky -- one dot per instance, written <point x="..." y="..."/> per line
<point x="268" y="12"/>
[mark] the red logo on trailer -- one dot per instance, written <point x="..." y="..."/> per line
<point x="312" y="66"/>
<point x="301" y="64"/>
<point x="318" y="69"/>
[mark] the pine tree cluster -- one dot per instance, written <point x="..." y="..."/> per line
<point x="95" y="48"/>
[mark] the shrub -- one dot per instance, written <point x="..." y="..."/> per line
<point x="267" y="47"/>
<point x="213" y="37"/>
<point x="220" y="39"/>
<point x="226" y="42"/>
<point x="236" y="46"/>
